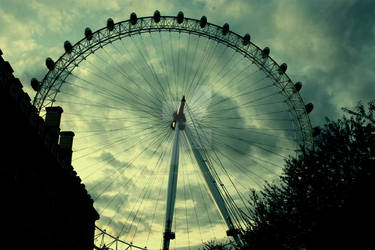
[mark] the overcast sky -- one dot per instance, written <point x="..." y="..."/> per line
<point x="327" y="44"/>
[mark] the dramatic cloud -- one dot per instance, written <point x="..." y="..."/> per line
<point x="120" y="100"/>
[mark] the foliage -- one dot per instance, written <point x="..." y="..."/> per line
<point x="324" y="200"/>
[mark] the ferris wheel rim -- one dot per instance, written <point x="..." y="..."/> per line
<point x="85" y="47"/>
<point x="69" y="61"/>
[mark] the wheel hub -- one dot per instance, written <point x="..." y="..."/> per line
<point x="179" y="116"/>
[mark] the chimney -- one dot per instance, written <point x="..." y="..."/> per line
<point x="52" y="123"/>
<point x="66" y="143"/>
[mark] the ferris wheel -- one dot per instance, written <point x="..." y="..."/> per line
<point x="175" y="120"/>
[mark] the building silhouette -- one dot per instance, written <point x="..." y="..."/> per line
<point x="44" y="204"/>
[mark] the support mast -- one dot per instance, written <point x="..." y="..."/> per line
<point x="178" y="124"/>
<point x="213" y="188"/>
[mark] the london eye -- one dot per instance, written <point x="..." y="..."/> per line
<point x="175" y="120"/>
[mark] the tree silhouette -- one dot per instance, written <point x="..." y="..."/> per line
<point x="324" y="197"/>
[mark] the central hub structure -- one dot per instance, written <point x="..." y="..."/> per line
<point x="179" y="116"/>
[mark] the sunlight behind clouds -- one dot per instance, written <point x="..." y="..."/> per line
<point x="124" y="171"/>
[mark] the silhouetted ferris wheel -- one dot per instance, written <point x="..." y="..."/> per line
<point x="175" y="120"/>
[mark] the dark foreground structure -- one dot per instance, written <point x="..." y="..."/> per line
<point x="44" y="204"/>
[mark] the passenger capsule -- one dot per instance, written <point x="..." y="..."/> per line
<point x="88" y="33"/>
<point x="225" y="29"/>
<point x="203" y="22"/>
<point x="156" y="16"/>
<point x="309" y="107"/>
<point x="110" y="24"/>
<point x="246" y="39"/>
<point x="68" y="47"/>
<point x="266" y="52"/>
<point x="180" y="17"/>
<point x="282" y="68"/>
<point x="133" y="18"/>
<point x="298" y="86"/>
<point x="50" y="63"/>
<point x="35" y="84"/>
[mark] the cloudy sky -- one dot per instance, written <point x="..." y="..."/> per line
<point x="327" y="45"/>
